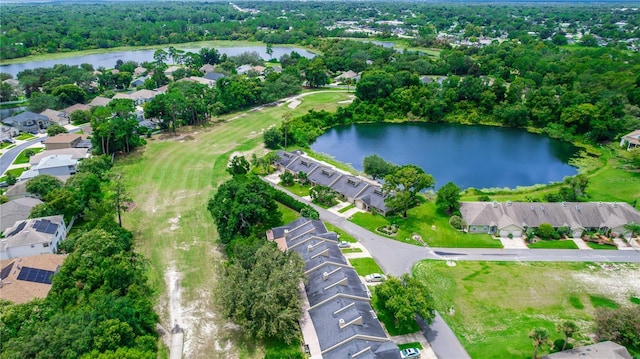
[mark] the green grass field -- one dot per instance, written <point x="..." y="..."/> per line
<point x="171" y="182"/>
<point x="297" y="189"/>
<point x="365" y="266"/>
<point x="601" y="246"/>
<point x="23" y="158"/>
<point x="344" y="236"/>
<point x="25" y="136"/>
<point x="496" y="304"/>
<point x="567" y="244"/>
<point x="432" y="226"/>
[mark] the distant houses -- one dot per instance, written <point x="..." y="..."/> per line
<point x="362" y="192"/>
<point x="28" y="122"/>
<point x="631" y="140"/>
<point x="338" y="320"/>
<point x="33" y="236"/>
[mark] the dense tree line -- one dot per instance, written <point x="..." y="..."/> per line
<point x="50" y="28"/>
<point x="100" y="304"/>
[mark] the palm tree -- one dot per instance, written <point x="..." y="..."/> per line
<point x="633" y="227"/>
<point x="539" y="336"/>
<point x="568" y="328"/>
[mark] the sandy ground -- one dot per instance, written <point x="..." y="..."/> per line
<point x="617" y="280"/>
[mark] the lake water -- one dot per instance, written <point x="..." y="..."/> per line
<point x="469" y="156"/>
<point x="109" y="59"/>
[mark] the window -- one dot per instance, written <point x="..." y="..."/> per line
<point x="378" y="191"/>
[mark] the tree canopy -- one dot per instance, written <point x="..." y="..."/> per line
<point x="403" y="185"/>
<point x="376" y="167"/>
<point x="404" y="298"/>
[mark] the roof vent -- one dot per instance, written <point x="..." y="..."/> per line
<point x="577" y="207"/>
<point x="341" y="323"/>
<point x="325" y="275"/>
<point x="599" y="204"/>
<point x="564" y="204"/>
<point x="309" y="248"/>
<point x="533" y="208"/>
<point x="615" y="204"/>
<point x="542" y="208"/>
<point x="495" y="204"/>
<point x="508" y="203"/>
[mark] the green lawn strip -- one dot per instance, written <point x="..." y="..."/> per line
<point x="351" y="250"/>
<point x="601" y="246"/>
<point x="347" y="208"/>
<point x="635" y="300"/>
<point x="344" y="236"/>
<point x="410" y="345"/>
<point x="297" y="189"/>
<point x="433" y="227"/>
<point x="603" y="302"/>
<point x="22" y="158"/>
<point x="277" y="349"/>
<point x="14" y="171"/>
<point x="496" y="304"/>
<point x="332" y="161"/>
<point x="365" y="266"/>
<point x="171" y="183"/>
<point x="387" y="319"/>
<point x="566" y="244"/>
<point x="25" y="136"/>
<point x="288" y="214"/>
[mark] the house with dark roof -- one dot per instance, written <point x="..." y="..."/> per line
<point x="602" y="350"/>
<point x="214" y="76"/>
<point x="16" y="210"/>
<point x="28" y="122"/>
<point x="32" y="237"/>
<point x="516" y="217"/>
<point x="360" y="191"/>
<point x="338" y="320"/>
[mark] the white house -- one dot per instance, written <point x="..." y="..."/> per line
<point x="631" y="140"/>
<point x="55" y="165"/>
<point x="32" y="237"/>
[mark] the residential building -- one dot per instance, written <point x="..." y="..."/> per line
<point x="63" y="140"/>
<point x="32" y="237"/>
<point x="364" y="193"/>
<point x="602" y="350"/>
<point x="77" y="107"/>
<point x="28" y="122"/>
<point x="215" y="76"/>
<point x="138" y="81"/>
<point x="54" y="116"/>
<point x="55" y="165"/>
<point x="7" y="132"/>
<point x="99" y="101"/>
<point x="25" y="278"/>
<point x="200" y="80"/>
<point x="347" y="76"/>
<point x="170" y="70"/>
<point x="16" y="210"/>
<point x="207" y="68"/>
<point x="515" y="218"/>
<point x="240" y="70"/>
<point x="631" y="140"/>
<point x="142" y="96"/>
<point x="76" y="154"/>
<point x="338" y="320"/>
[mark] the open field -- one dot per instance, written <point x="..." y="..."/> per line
<point x="433" y="227"/>
<point x="171" y="180"/>
<point x="492" y="306"/>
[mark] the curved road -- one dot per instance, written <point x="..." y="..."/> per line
<point x="396" y="258"/>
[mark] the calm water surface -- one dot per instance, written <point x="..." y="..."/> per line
<point x="109" y="59"/>
<point x="469" y="156"/>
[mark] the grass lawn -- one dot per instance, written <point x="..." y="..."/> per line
<point x="297" y="189"/>
<point x="351" y="250"/>
<point x="288" y="214"/>
<point x="566" y="244"/>
<point x="496" y="304"/>
<point x="347" y="208"/>
<point x="365" y="266"/>
<point x="344" y="236"/>
<point x="171" y="182"/>
<point x="14" y="171"/>
<point x="601" y="246"/>
<point x="432" y="226"/>
<point x="25" y="136"/>
<point x="23" y="158"/>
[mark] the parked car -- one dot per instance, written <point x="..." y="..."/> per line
<point x="8" y="140"/>
<point x="410" y="353"/>
<point x="375" y="277"/>
<point x="344" y="244"/>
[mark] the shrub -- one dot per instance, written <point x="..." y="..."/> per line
<point x="457" y="222"/>
<point x="563" y="230"/>
<point x="484" y="198"/>
<point x="304" y="209"/>
<point x="287" y="179"/>
<point x="558" y="344"/>
<point x="545" y="231"/>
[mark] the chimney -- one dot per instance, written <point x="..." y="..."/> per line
<point x="508" y="203"/>
<point x="341" y="323"/>
<point x="310" y="248"/>
<point x="599" y="204"/>
<point x="495" y="204"/>
<point x="615" y="204"/>
<point x="564" y="204"/>
<point x="325" y="275"/>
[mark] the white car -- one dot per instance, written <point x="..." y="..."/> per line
<point x="375" y="277"/>
<point x="410" y="353"/>
<point x="344" y="244"/>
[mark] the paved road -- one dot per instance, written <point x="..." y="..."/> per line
<point x="396" y="258"/>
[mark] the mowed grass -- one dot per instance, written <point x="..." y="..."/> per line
<point x="433" y="227"/>
<point x="22" y="158"/>
<point x="365" y="266"/>
<point x="566" y="244"/>
<point x="171" y="182"/>
<point x="496" y="304"/>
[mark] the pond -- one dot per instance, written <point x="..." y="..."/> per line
<point x="469" y="156"/>
<point x="109" y="59"/>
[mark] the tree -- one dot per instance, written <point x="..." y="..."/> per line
<point x="69" y="94"/>
<point x="242" y="205"/>
<point x="11" y="179"/>
<point x="210" y="56"/>
<point x="568" y="328"/>
<point x="119" y="196"/>
<point x="309" y="212"/>
<point x="633" y="227"/>
<point x="402" y="186"/>
<point x="545" y="231"/>
<point x="238" y="166"/>
<point x="272" y="138"/>
<point x="259" y="291"/>
<point x="287" y="178"/>
<point x="405" y="298"/>
<point x="42" y="101"/>
<point x="448" y="198"/>
<point x="634" y="155"/>
<point x="98" y="165"/>
<point x="539" y="336"/>
<point x="376" y="167"/>
<point x="620" y="325"/>
<point x="324" y="195"/>
<point x="269" y="50"/>
<point x="41" y="185"/>
<point x="55" y="129"/>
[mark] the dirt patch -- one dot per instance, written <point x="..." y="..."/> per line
<point x="615" y="280"/>
<point x="174" y="223"/>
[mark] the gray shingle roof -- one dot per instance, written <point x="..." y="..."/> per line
<point x="325" y="176"/>
<point x="350" y="186"/>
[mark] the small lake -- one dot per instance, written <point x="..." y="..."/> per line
<point x="109" y="59"/>
<point x="469" y="156"/>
